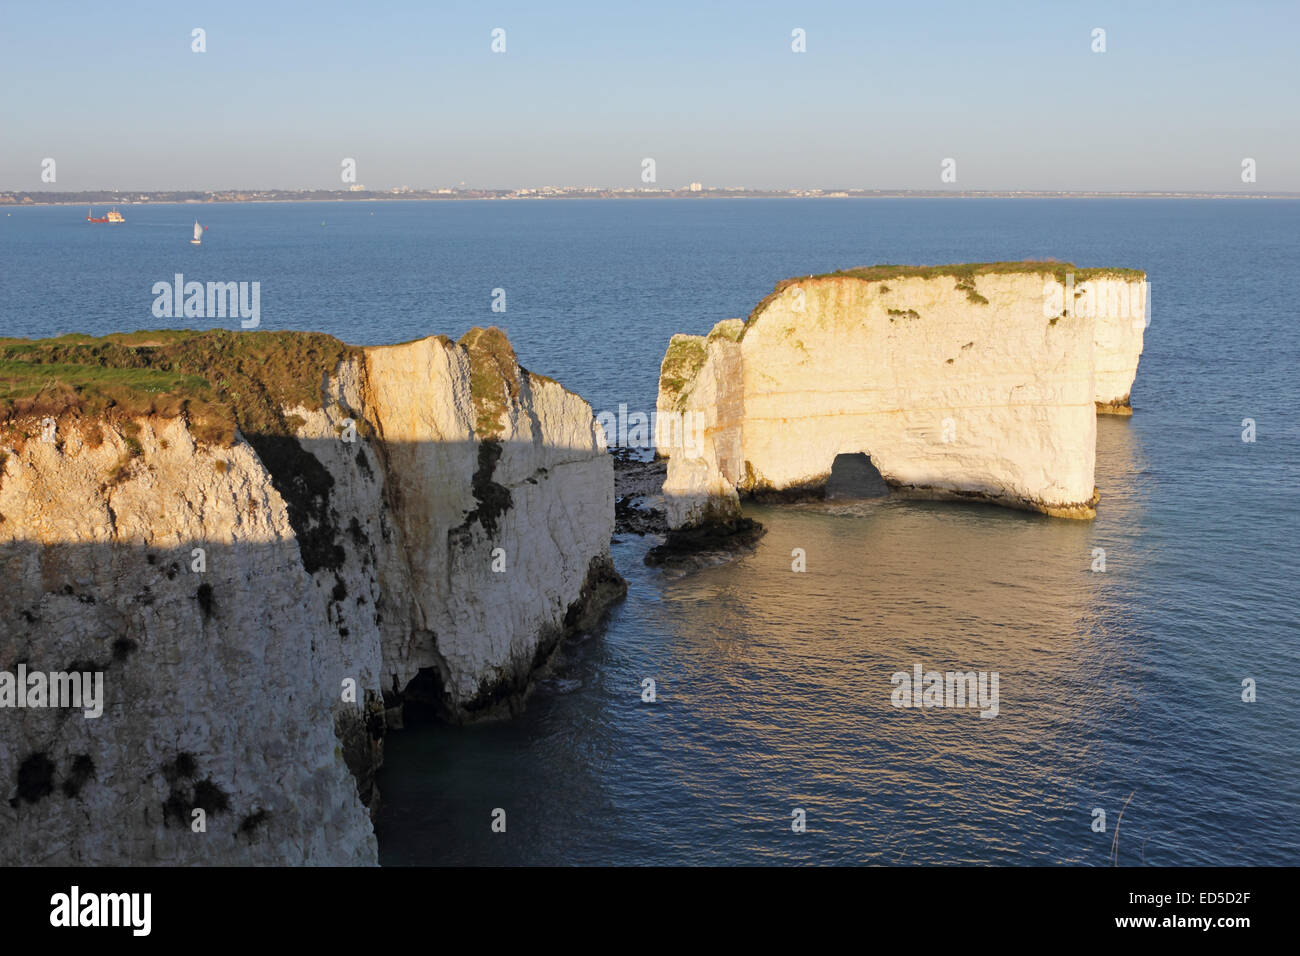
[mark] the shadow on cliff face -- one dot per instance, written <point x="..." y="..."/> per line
<point x="233" y="698"/>
<point x="261" y="618"/>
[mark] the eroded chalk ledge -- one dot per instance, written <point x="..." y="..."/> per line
<point x="1120" y="406"/>
<point x="1080" y="511"/>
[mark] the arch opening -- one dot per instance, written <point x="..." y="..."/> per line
<point x="854" y="476"/>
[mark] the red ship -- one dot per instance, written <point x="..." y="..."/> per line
<point x="112" y="216"/>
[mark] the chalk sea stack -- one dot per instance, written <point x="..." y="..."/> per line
<point x="971" y="382"/>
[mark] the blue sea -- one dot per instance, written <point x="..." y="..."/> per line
<point x="1119" y="691"/>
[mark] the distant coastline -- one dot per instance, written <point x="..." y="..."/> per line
<point x="204" y="197"/>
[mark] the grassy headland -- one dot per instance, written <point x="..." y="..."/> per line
<point x="219" y="379"/>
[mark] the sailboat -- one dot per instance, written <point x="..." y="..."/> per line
<point x="198" y="234"/>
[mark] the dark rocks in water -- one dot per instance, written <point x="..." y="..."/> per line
<point x="603" y="588"/>
<point x="704" y="545"/>
<point x="854" y="476"/>
<point x="634" y="479"/>
<point x="632" y="518"/>
<point x="636" y="475"/>
<point x="684" y="549"/>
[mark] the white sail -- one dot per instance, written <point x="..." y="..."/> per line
<point x="198" y="231"/>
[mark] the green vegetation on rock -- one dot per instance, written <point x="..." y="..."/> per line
<point x="730" y="329"/>
<point x="494" y="379"/>
<point x="969" y="270"/>
<point x="682" y="362"/>
<point x="219" y="380"/>
<point x="964" y="272"/>
<point x="967" y="285"/>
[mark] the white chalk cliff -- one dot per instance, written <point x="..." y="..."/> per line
<point x="434" y="527"/>
<point x="980" y="383"/>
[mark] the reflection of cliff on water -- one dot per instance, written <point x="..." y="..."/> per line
<point x="789" y="673"/>
<point x="1120" y="462"/>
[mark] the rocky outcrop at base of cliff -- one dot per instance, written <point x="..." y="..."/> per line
<point x="705" y="544"/>
<point x="259" y="600"/>
<point x="1120" y="406"/>
<point x="638" y="481"/>
<point x="975" y="382"/>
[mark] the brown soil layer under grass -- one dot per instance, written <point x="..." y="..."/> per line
<point x="218" y="379"/>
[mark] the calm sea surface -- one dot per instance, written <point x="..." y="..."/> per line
<point x="773" y="688"/>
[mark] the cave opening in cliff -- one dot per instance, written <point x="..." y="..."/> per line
<point x="854" y="476"/>
<point x="423" y="700"/>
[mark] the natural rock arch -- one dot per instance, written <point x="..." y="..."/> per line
<point x="853" y="475"/>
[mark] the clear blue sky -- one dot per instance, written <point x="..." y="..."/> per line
<point x="712" y="92"/>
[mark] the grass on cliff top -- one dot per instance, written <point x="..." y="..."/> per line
<point x="964" y="272"/>
<point x="494" y="379"/>
<point x="683" y="360"/>
<point x="218" y="379"/>
<point x="730" y="329"/>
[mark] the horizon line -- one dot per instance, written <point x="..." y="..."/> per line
<point x="225" y="194"/>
